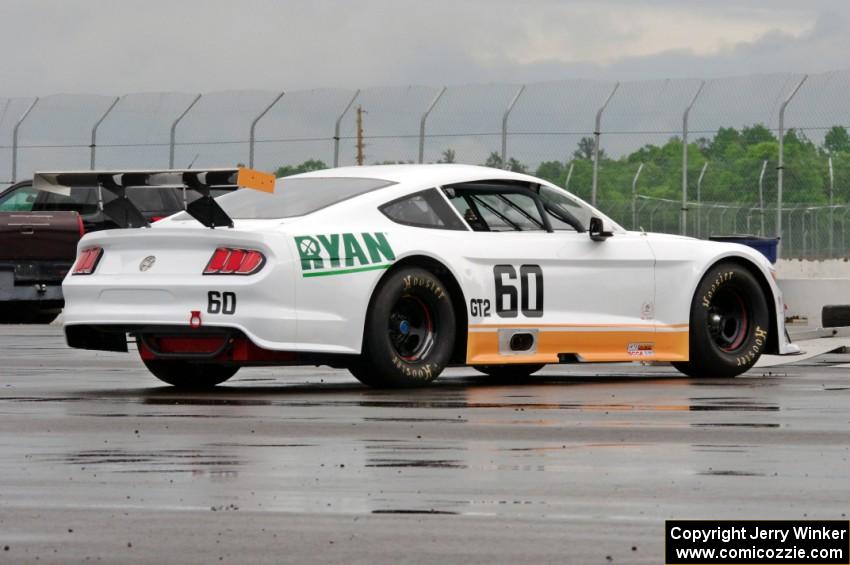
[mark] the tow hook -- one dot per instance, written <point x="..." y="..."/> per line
<point x="195" y="319"/>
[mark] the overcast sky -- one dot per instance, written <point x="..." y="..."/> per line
<point x="114" y="47"/>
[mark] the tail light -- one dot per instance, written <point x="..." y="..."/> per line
<point x="156" y="218"/>
<point x="230" y="261"/>
<point x="81" y="226"/>
<point x="87" y="261"/>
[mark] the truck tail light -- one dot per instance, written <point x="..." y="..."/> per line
<point x="87" y="261"/>
<point x="81" y="226"/>
<point x="231" y="261"/>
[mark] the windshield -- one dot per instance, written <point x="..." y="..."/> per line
<point x="293" y="197"/>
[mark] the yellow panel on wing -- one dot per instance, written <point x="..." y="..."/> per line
<point x="250" y="178"/>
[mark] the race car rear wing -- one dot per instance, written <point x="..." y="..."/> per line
<point x="124" y="213"/>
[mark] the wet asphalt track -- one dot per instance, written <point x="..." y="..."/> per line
<point x="582" y="464"/>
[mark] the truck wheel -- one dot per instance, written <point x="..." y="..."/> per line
<point x="729" y="324"/>
<point x="409" y="333"/>
<point x="190" y="376"/>
<point x="509" y="372"/>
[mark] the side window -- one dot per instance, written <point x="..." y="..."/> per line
<point x="490" y="207"/>
<point x="19" y="200"/>
<point x="508" y="211"/>
<point x="425" y="209"/>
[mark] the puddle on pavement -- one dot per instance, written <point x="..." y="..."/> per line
<point x="730" y="473"/>
<point x="417" y="463"/>
<point x="167" y="460"/>
<point x="413" y="511"/>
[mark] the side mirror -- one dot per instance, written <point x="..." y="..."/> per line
<point x="597" y="230"/>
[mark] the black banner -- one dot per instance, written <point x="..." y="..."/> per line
<point x="757" y="542"/>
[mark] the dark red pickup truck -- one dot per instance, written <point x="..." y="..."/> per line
<point x="39" y="230"/>
<point x="36" y="251"/>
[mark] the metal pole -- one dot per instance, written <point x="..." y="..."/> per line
<point x="652" y="216"/>
<point x="254" y="127"/>
<point x="596" y="133"/>
<point x="780" y="166"/>
<point x="174" y="131"/>
<point x="634" y="195"/>
<point x="336" y="126"/>
<point x="844" y="226"/>
<point x="422" y="123"/>
<point x="684" y="227"/>
<point x="643" y="204"/>
<point x="569" y="176"/>
<point x="831" y="208"/>
<point x="93" y="145"/>
<point x="699" y="199"/>
<point x="505" y="126"/>
<point x="15" y="139"/>
<point x="761" y="195"/>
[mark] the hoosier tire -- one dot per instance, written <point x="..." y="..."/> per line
<point x="190" y="376"/>
<point x="409" y="333"/>
<point x="729" y="323"/>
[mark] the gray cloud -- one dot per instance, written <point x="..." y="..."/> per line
<point x="115" y="47"/>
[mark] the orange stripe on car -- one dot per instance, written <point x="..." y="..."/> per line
<point x="608" y="344"/>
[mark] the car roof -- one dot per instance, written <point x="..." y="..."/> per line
<point x="430" y="174"/>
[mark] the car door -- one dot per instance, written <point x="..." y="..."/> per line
<point x="570" y="296"/>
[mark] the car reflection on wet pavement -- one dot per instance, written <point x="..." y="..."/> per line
<point x="576" y="464"/>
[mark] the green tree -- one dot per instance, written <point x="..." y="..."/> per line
<point x="493" y="160"/>
<point x="837" y="139"/>
<point x="448" y="156"/>
<point x="585" y="149"/>
<point x="553" y="171"/>
<point x="308" y="165"/>
<point x="516" y="166"/>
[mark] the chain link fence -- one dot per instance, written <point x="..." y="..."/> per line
<point x="762" y="154"/>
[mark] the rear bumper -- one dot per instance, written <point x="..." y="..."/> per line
<point x="263" y="312"/>
<point x="222" y="346"/>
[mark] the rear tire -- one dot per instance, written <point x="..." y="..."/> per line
<point x="409" y="333"/>
<point x="509" y="372"/>
<point x="729" y="324"/>
<point x="190" y="376"/>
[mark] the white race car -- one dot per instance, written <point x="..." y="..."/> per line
<point x="395" y="272"/>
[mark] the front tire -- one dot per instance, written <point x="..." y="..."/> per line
<point x="190" y="376"/>
<point x="729" y="324"/>
<point x="409" y="333"/>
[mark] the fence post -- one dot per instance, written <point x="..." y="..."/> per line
<point x="699" y="199"/>
<point x="761" y="195"/>
<point x="505" y="125"/>
<point x="174" y="131"/>
<point x="596" y="134"/>
<point x="422" y="123"/>
<point x="569" y="176"/>
<point x="831" y="209"/>
<point x="254" y="127"/>
<point x="336" y="126"/>
<point x="96" y="125"/>
<point x="684" y="227"/>
<point x="634" y="196"/>
<point x="780" y="166"/>
<point x="15" y="139"/>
